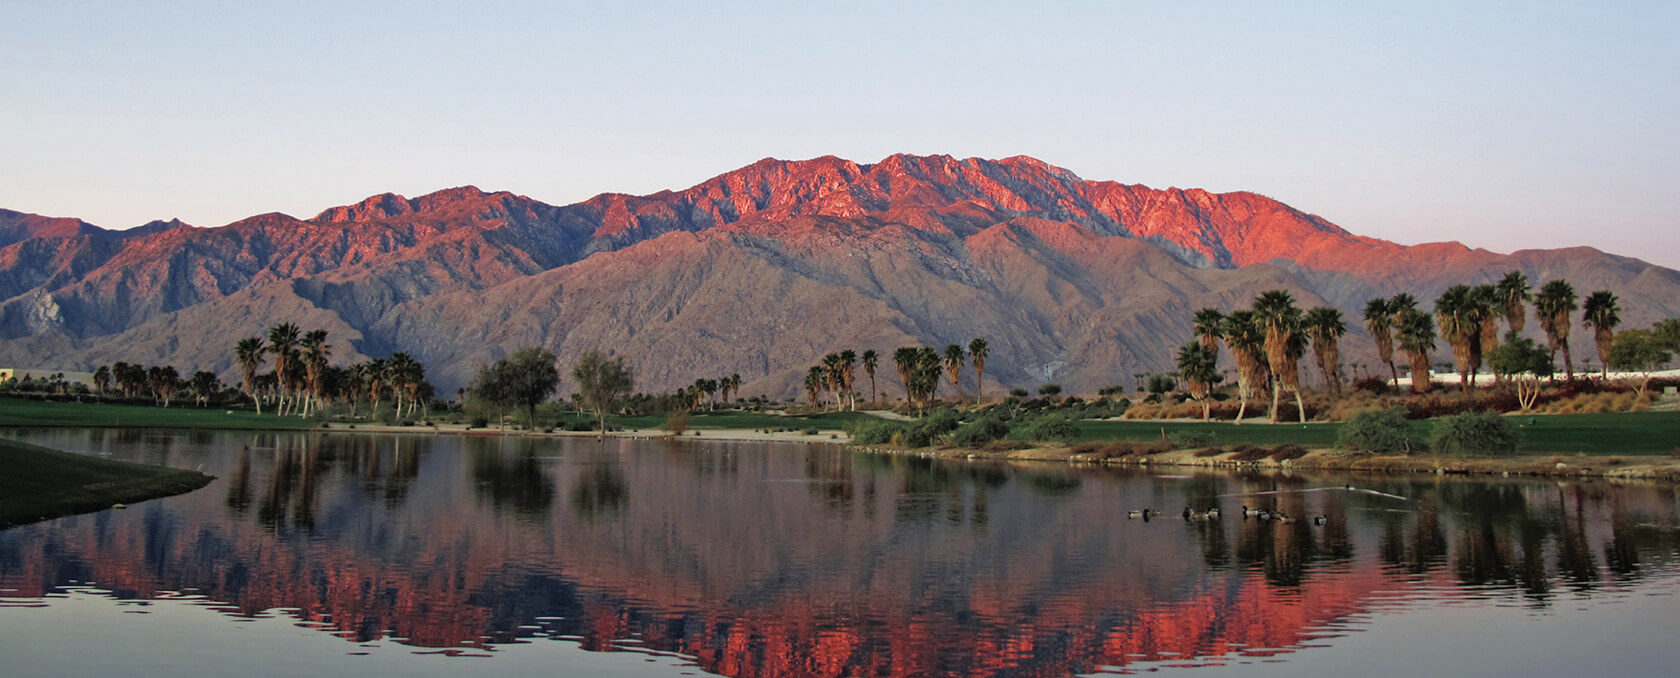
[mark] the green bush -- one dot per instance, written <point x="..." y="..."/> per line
<point x="1049" y="427"/>
<point x="1378" y="431"/>
<point x="1188" y="439"/>
<point x="979" y="432"/>
<point x="1474" y="433"/>
<point x="875" y="433"/>
<point x="928" y="430"/>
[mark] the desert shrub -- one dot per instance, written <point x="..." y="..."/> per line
<point x="1049" y="427"/>
<point x="676" y="422"/>
<point x="979" y="432"/>
<point x="1288" y="451"/>
<point x="1018" y="393"/>
<point x="1247" y="452"/>
<point x="1378" y="431"/>
<point x="928" y="430"/>
<point x="875" y="432"/>
<point x="1188" y="439"/>
<point x="479" y="422"/>
<point x="1475" y="433"/>
<point x="1115" y="449"/>
<point x="1373" y="385"/>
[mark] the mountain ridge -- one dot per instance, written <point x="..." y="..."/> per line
<point x="1075" y="280"/>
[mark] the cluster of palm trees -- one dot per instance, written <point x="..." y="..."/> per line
<point x="1267" y="342"/>
<point x="161" y="382"/>
<point x="1467" y="318"/>
<point x="303" y="382"/>
<point x="919" y="370"/>
<point x="725" y="389"/>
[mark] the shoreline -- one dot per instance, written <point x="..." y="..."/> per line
<point x="1647" y="468"/>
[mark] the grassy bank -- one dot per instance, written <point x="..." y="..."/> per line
<point x="41" y="483"/>
<point x="27" y="412"/>
<point x="1621" y="433"/>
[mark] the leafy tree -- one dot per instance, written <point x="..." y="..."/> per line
<point x="871" y="360"/>
<point x="1642" y="351"/>
<point x="1667" y="334"/>
<point x="1050" y="390"/>
<point x="602" y="382"/>
<point x="1196" y="363"/>
<point x="1552" y="307"/>
<point x="1324" y="325"/>
<point x="249" y="355"/>
<point x="1474" y="433"/>
<point x="1379" y="321"/>
<point x="1523" y="364"/>
<point x="525" y="379"/>
<point x="1601" y="314"/>
<point x="978" y="351"/>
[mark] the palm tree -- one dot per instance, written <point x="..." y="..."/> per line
<point x="378" y="380"/>
<point x="1461" y="312"/>
<point x="315" y="352"/>
<point x="954" y="359"/>
<point x="978" y="350"/>
<point x="904" y="362"/>
<point x="1275" y="311"/>
<point x="282" y="342"/>
<point x="924" y="376"/>
<point x="1511" y="292"/>
<point x="1601" y="314"/>
<point x="1324" y="325"/>
<point x="102" y="378"/>
<point x="1552" y="307"/>
<point x="1416" y="335"/>
<point x="835" y="373"/>
<point x="1489" y="307"/>
<point x="871" y="360"/>
<point x="1379" y="321"/>
<point x="1207" y="326"/>
<point x="248" y="353"/>
<point x="734" y="388"/>
<point x="814" y="379"/>
<point x="848" y="376"/>
<point x="1248" y="346"/>
<point x="1196" y="362"/>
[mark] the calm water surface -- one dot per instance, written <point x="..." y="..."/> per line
<point x="405" y="555"/>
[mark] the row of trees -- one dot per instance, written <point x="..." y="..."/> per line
<point x="160" y="382"/>
<point x="919" y="369"/>
<point x="302" y="380"/>
<point x="1268" y="340"/>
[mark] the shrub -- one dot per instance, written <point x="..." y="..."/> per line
<point x="1288" y="451"/>
<point x="1187" y="439"/>
<point x="1018" y="393"/>
<point x="1049" y="427"/>
<point x="979" y="432"/>
<point x="875" y="433"/>
<point x="676" y="422"/>
<point x="1247" y="452"/>
<point x="1049" y="389"/>
<point x="1378" y="431"/>
<point x="1475" y="433"/>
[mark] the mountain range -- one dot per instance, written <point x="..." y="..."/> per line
<point x="759" y="271"/>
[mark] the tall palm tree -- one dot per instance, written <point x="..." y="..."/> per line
<point x="1379" y="321"/>
<point x="904" y="362"/>
<point x="734" y="388"/>
<point x="871" y="360"/>
<point x="834" y="376"/>
<point x="924" y="377"/>
<point x="1459" y="315"/>
<point x="378" y="381"/>
<point x="814" y="379"/>
<point x="1324" y="325"/>
<point x="282" y="342"/>
<point x="978" y="350"/>
<point x="1512" y="291"/>
<point x="1207" y="325"/>
<point x="315" y="352"/>
<point x="1600" y="313"/>
<point x="1552" y="307"/>
<point x="249" y="354"/>
<point x="1275" y="311"/>
<point x="954" y="359"/>
<point x="1415" y="333"/>
<point x="1489" y="307"/>
<point x="848" y="376"/>
<point x="1247" y="342"/>
<point x="1196" y="363"/>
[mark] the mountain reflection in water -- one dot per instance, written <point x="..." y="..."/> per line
<point x="757" y="559"/>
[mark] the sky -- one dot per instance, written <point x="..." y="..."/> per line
<point x="1503" y="125"/>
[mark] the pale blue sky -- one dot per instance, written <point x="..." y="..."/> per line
<point x="1503" y="125"/>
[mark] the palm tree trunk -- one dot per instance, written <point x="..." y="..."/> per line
<point x="1276" y="389"/>
<point x="1300" y="406"/>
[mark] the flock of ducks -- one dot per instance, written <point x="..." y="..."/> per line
<point x="1260" y="514"/>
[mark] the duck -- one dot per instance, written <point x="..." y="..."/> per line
<point x="1321" y="519"/>
<point x="1214" y="513"/>
<point x="1284" y="517"/>
<point x="1138" y="513"/>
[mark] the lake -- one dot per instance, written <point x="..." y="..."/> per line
<point x="422" y="555"/>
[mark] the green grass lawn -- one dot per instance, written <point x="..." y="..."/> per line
<point x="26" y="412"/>
<point x="43" y="483"/>
<point x="1623" y="433"/>
<point x="747" y="420"/>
